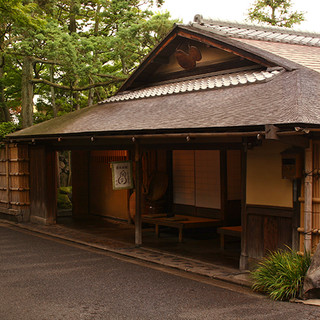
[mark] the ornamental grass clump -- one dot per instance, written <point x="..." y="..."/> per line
<point x="281" y="274"/>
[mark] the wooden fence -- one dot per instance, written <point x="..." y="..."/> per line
<point x="14" y="182"/>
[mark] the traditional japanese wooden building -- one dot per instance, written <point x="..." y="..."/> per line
<point x="224" y="119"/>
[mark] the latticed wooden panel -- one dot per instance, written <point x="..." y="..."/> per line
<point x="14" y="177"/>
<point x="3" y="178"/>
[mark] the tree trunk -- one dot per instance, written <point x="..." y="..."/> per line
<point x="27" y="93"/>
<point x="72" y="17"/>
<point x="4" y="108"/>
<point x="96" y="32"/>
<point x="90" y="96"/>
<point x="53" y="97"/>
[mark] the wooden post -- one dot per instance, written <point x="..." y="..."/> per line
<point x="8" y="174"/>
<point x="243" y="264"/>
<point x="308" y="198"/>
<point x="138" y="223"/>
<point x="223" y="184"/>
<point x="296" y="185"/>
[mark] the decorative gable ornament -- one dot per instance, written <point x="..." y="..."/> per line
<point x="188" y="60"/>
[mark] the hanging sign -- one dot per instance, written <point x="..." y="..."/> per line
<point x="121" y="175"/>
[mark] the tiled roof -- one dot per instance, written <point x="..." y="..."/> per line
<point x="299" y="47"/>
<point x="306" y="56"/>
<point x="289" y="98"/>
<point x="253" y="32"/>
<point x="241" y="99"/>
<point x="204" y="83"/>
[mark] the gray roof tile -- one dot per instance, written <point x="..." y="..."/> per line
<point x="299" y="47"/>
<point x="209" y="82"/>
<point x="289" y="98"/>
<point x="248" y="31"/>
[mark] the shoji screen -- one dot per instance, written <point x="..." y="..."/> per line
<point x="196" y="178"/>
<point x="183" y="177"/>
<point x="207" y="172"/>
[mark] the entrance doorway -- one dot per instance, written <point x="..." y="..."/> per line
<point x="64" y="184"/>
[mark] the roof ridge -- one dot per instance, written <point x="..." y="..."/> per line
<point x="231" y="79"/>
<point x="198" y="19"/>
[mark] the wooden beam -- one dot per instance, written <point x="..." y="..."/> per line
<point x="223" y="183"/>
<point x="296" y="188"/>
<point x="314" y="200"/>
<point x="147" y="61"/>
<point x="138" y="222"/>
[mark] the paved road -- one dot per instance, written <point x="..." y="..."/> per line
<point x="44" y="278"/>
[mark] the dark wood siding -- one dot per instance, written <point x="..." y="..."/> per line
<point x="268" y="229"/>
<point x="43" y="190"/>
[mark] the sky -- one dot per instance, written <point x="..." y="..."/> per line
<point x="235" y="10"/>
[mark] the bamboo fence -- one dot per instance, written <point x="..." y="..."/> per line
<point x="315" y="226"/>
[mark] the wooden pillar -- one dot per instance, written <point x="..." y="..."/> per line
<point x="296" y="186"/>
<point x="223" y="184"/>
<point x="8" y="175"/>
<point x="138" y="223"/>
<point x="308" y="198"/>
<point x="243" y="264"/>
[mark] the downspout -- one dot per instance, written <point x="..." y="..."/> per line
<point x="308" y="198"/>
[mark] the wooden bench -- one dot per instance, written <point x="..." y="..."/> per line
<point x="179" y="222"/>
<point x="234" y="231"/>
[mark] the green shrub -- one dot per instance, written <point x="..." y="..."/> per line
<point x="63" y="199"/>
<point x="65" y="190"/>
<point x="281" y="274"/>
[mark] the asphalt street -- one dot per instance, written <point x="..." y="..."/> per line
<point x="45" y="278"/>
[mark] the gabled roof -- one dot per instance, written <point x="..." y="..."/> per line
<point x="256" y="83"/>
<point x="277" y="101"/>
<point x="300" y="47"/>
<point x="254" y="32"/>
<point x="246" y="55"/>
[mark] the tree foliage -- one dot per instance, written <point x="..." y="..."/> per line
<point x="275" y="12"/>
<point x="71" y="53"/>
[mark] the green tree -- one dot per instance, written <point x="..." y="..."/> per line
<point x="275" y="12"/>
<point x="82" y="53"/>
<point x="13" y="13"/>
